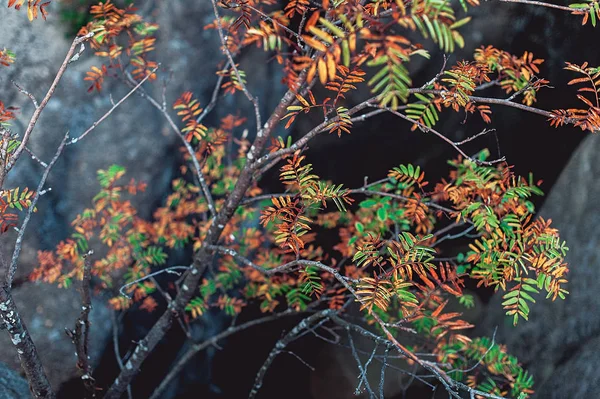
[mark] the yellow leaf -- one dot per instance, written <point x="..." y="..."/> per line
<point x="331" y="67"/>
<point x="321" y="34"/>
<point x="322" y="66"/>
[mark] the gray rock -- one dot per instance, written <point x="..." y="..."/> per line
<point x="47" y="310"/>
<point x="135" y="136"/>
<point x="12" y="385"/>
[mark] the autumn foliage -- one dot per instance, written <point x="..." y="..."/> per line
<point x="388" y="259"/>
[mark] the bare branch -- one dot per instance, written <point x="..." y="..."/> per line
<point x="384" y="365"/>
<point x="28" y="94"/>
<point x="21" y="339"/>
<point x="215" y="95"/>
<point x="283" y="342"/>
<point x="281" y="268"/>
<point x="170" y="270"/>
<point x="455" y="236"/>
<point x="241" y="83"/>
<point x="81" y="334"/>
<point x="110" y="111"/>
<point x="540" y="3"/>
<point x="446" y="139"/>
<point x="12" y="270"/>
<point x="115" y="338"/>
<point x="197" y="348"/>
<point x="188" y="147"/>
<point x="42" y="105"/>
<point x="362" y="378"/>
<point x="471" y="138"/>
<point x="402" y="198"/>
<point x="10" y="319"/>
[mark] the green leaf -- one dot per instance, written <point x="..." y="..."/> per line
<point x="382" y="214"/>
<point x="370" y="203"/>
<point x="359" y="227"/>
<point x="460" y="22"/>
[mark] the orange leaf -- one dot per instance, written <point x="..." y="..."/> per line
<point x="439" y="309"/>
<point x="322" y="70"/>
<point x="331" y="67"/>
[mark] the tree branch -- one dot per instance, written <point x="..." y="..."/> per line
<point x="188" y="147"/>
<point x="196" y="348"/>
<point x="42" y="105"/>
<point x="283" y="342"/>
<point x="115" y="106"/>
<point x="202" y="257"/>
<point x="21" y="339"/>
<point x="81" y="334"/>
<point x="12" y="269"/>
<point x="115" y="339"/>
<point x="540" y="3"/>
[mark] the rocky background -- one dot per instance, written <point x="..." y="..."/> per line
<point x="559" y="344"/>
<point x="135" y="136"/>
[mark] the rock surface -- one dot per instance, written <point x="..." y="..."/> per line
<point x="12" y="386"/>
<point x="135" y="136"/>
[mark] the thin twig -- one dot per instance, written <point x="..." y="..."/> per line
<point x="370" y="114"/>
<point x="540" y="3"/>
<point x="304" y="362"/>
<point x="402" y="198"/>
<point x="197" y="348"/>
<point x="170" y="270"/>
<point x="214" y="97"/>
<point x="281" y="345"/>
<point x="363" y="370"/>
<point x="447" y="228"/>
<point x="438" y="75"/>
<point x="455" y="236"/>
<point x="110" y="111"/>
<point x="281" y="268"/>
<point x="492" y="344"/>
<point x="28" y="94"/>
<point x="35" y="158"/>
<point x="12" y="270"/>
<point x="383" y="367"/>
<point x="486" y="85"/>
<point x="115" y="338"/>
<point x="471" y="138"/>
<point x="188" y="147"/>
<point x="240" y="82"/>
<point x="446" y="139"/>
<point x="42" y="105"/>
